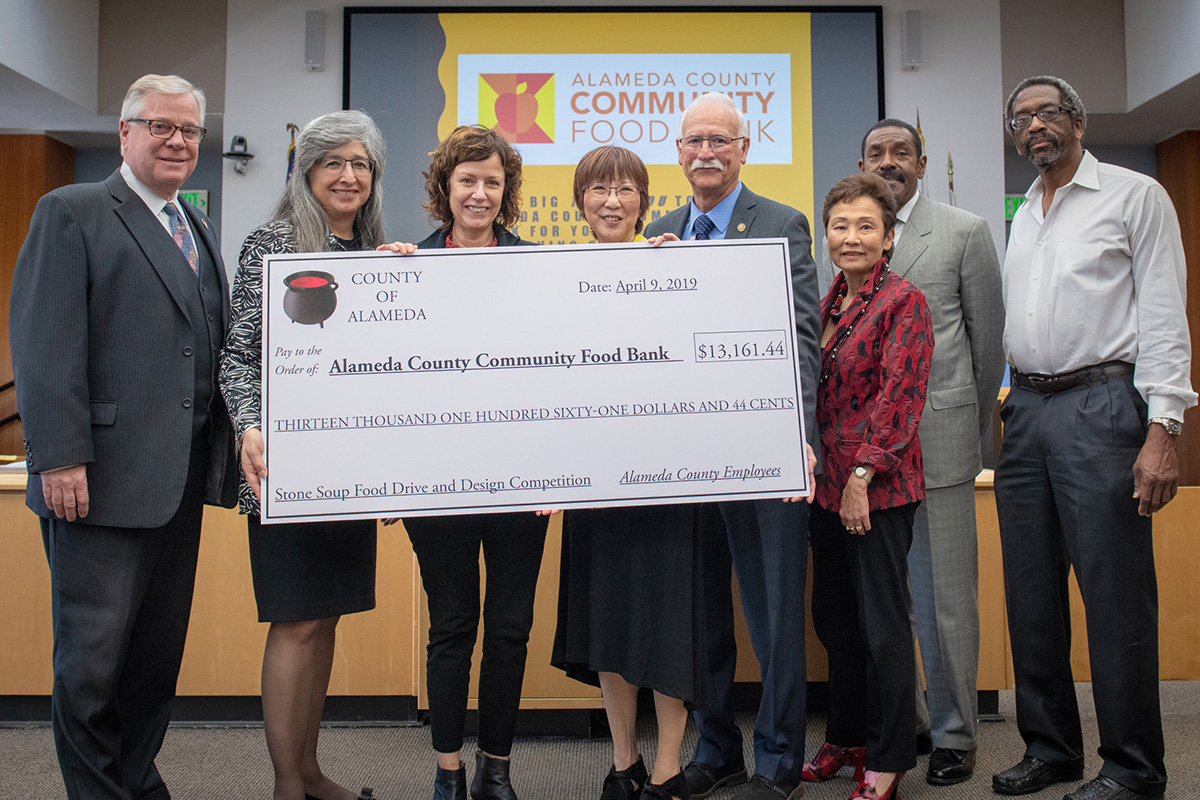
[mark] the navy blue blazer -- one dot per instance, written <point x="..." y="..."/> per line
<point x="757" y="217"/>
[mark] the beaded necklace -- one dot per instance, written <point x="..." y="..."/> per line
<point x="845" y="332"/>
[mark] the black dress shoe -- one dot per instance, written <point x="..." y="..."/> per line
<point x="366" y="794"/>
<point x="760" y="788"/>
<point x="491" y="779"/>
<point x="704" y="779"/>
<point x="1104" y="788"/>
<point x="924" y="743"/>
<point x="450" y="784"/>
<point x="947" y="766"/>
<point x="1033" y="775"/>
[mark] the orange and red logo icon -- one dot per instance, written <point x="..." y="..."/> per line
<point x="520" y="106"/>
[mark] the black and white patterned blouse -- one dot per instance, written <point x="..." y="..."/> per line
<point x="241" y="359"/>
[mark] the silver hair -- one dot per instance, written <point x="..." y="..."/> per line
<point x="147" y="85"/>
<point x="725" y="100"/>
<point x="1071" y="101"/>
<point x="299" y="205"/>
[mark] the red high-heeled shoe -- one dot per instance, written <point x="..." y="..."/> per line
<point x="830" y="758"/>
<point x="867" y="792"/>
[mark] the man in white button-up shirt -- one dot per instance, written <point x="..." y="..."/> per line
<point x="1097" y="337"/>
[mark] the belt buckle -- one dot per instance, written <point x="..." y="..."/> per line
<point x="1042" y="383"/>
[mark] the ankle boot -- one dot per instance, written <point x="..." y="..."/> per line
<point x="450" y="784"/>
<point x="491" y="779"/>
<point x="626" y="784"/>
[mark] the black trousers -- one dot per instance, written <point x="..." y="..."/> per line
<point x="121" y="600"/>
<point x="860" y="612"/>
<point x="1064" y="493"/>
<point x="447" y="549"/>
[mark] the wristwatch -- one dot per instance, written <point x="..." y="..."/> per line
<point x="1173" y="426"/>
<point x="861" y="472"/>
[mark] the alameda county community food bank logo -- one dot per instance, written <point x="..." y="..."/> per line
<point x="555" y="107"/>
<point x="520" y="106"/>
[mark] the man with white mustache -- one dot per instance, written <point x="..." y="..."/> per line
<point x="767" y="539"/>
<point x="1097" y="338"/>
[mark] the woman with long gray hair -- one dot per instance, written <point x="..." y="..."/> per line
<point x="307" y="574"/>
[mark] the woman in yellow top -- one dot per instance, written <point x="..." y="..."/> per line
<point x="630" y="604"/>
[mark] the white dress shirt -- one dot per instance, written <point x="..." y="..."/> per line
<point x="1101" y="277"/>
<point x="156" y="204"/>
<point x="902" y="217"/>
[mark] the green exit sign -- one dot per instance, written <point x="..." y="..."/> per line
<point x="197" y="197"/>
<point x="1011" y="203"/>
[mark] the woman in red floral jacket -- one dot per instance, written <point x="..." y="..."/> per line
<point x="875" y="354"/>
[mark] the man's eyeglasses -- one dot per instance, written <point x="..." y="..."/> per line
<point x="624" y="192"/>
<point x="715" y="143"/>
<point x="1048" y="114"/>
<point x="192" y="134"/>
<point x="334" y="165"/>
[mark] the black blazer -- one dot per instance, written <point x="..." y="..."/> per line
<point x="504" y="238"/>
<point x="102" y="355"/>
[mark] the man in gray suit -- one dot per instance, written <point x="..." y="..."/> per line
<point x="767" y="539"/>
<point x="119" y="308"/>
<point x="949" y="254"/>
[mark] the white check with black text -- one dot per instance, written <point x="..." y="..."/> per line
<point x="462" y="381"/>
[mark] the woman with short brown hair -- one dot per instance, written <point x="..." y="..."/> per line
<point x="474" y="187"/>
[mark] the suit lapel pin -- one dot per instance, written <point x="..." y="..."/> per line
<point x="741" y="227"/>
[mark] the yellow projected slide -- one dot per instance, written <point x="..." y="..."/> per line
<point x="559" y="84"/>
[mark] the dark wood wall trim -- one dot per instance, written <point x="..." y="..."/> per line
<point x="32" y="164"/>
<point x="1178" y="163"/>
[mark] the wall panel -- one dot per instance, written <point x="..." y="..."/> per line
<point x="1179" y="173"/>
<point x="32" y="164"/>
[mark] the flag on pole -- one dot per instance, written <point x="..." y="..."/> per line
<point x="950" y="175"/>
<point x="291" y="153"/>
<point x="921" y="136"/>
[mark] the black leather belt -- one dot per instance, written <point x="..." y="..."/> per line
<point x="1064" y="381"/>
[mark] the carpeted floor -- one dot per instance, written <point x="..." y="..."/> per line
<point x="231" y="762"/>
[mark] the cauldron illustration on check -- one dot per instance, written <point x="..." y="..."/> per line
<point x="311" y="297"/>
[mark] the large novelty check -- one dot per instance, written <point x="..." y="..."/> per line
<point x="460" y="381"/>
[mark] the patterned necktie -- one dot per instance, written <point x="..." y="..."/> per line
<point x="702" y="226"/>
<point x="182" y="236"/>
